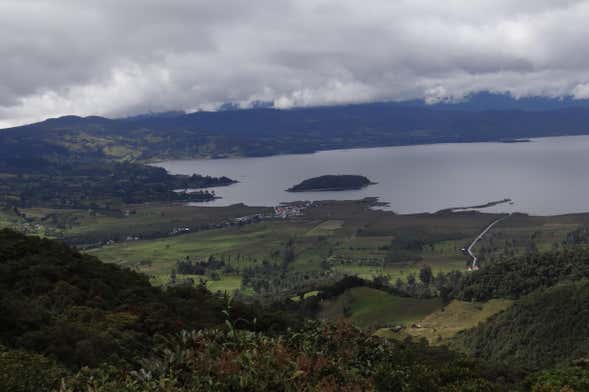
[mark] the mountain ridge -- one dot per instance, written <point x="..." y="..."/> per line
<point x="265" y="132"/>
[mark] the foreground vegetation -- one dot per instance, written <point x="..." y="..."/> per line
<point x="92" y="325"/>
<point x="71" y="323"/>
<point x="80" y="311"/>
<point x="323" y="358"/>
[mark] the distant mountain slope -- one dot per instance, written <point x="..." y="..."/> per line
<point x="479" y="101"/>
<point x="259" y="132"/>
<point x="488" y="101"/>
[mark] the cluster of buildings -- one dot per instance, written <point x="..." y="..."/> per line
<point x="180" y="230"/>
<point x="289" y="210"/>
<point x="283" y="211"/>
<point x="250" y="219"/>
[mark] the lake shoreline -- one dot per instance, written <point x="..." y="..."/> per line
<point x="417" y="178"/>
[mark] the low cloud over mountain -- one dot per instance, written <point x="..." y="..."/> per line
<point x="120" y="58"/>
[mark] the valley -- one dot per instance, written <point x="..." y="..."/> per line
<point x="325" y="241"/>
<point x="294" y="196"/>
<point x="369" y="259"/>
<point x="450" y="277"/>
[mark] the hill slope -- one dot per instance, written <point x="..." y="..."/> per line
<point x="81" y="311"/>
<point x="61" y="310"/>
<point x="546" y="328"/>
<point x="517" y="276"/>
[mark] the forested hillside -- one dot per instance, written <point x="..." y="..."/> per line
<point x="547" y="328"/>
<point x="49" y="176"/>
<point x="61" y="310"/>
<point x="512" y="277"/>
<point x="80" y="311"/>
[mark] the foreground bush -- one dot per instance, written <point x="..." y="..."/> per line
<point x="319" y="358"/>
<point x="24" y="372"/>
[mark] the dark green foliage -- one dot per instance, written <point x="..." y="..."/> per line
<point x="272" y="281"/>
<point x="425" y="274"/>
<point x="97" y="184"/>
<point x="547" y="328"/>
<point x="317" y="358"/>
<point x="71" y="306"/>
<point x="575" y="378"/>
<point x="331" y="183"/>
<point x="188" y="267"/>
<point x="514" y="277"/>
<point x="21" y="371"/>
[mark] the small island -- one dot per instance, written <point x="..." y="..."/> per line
<point x="342" y="182"/>
<point x="515" y="141"/>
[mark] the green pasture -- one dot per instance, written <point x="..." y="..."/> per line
<point x="445" y="322"/>
<point x="367" y="307"/>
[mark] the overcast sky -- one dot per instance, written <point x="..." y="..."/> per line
<point x="123" y="57"/>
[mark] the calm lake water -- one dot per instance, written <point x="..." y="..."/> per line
<point x="544" y="177"/>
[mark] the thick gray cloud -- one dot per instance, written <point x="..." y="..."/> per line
<point x="122" y="57"/>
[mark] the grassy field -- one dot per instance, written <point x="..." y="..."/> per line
<point x="7" y="220"/>
<point x="355" y="244"/>
<point x="368" y="307"/>
<point x="445" y="322"/>
<point x="146" y="221"/>
<point x="10" y="219"/>
<point x="327" y="227"/>
<point x="522" y="233"/>
<point x="240" y="245"/>
<point x="343" y="236"/>
<point x="402" y="270"/>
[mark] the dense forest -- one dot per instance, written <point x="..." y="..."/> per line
<point x="81" y="311"/>
<point x="517" y="276"/>
<point x="96" y="184"/>
<point x="546" y="328"/>
<point x="340" y="182"/>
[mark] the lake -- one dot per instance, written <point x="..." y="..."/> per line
<point x="546" y="176"/>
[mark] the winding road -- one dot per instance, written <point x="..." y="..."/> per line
<point x="479" y="237"/>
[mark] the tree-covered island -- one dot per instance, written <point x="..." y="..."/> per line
<point x="341" y="182"/>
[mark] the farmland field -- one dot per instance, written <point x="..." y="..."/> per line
<point x="445" y="322"/>
<point x="329" y="239"/>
